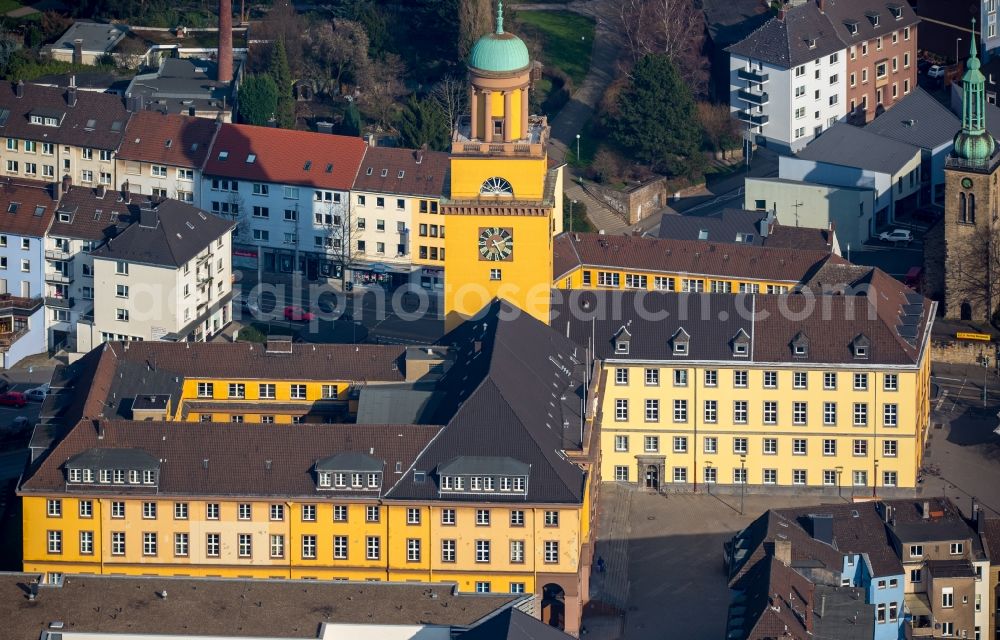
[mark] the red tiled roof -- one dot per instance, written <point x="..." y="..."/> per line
<point x="403" y="171"/>
<point x="29" y="197"/>
<point x="284" y="156"/>
<point x="695" y="257"/>
<point x="179" y="141"/>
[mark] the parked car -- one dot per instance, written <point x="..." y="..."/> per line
<point x="896" y="235"/>
<point x="298" y="314"/>
<point x="21" y="422"/>
<point x="13" y="399"/>
<point x="37" y="394"/>
<point x="936" y="71"/>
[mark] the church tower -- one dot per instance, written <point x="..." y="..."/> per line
<point x="505" y="202"/>
<point x="971" y="289"/>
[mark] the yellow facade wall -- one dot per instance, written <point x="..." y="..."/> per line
<point x="526" y="175"/>
<point x="586" y="277"/>
<point x="468" y="283"/>
<point x="497" y="109"/>
<point x="427" y="215"/>
<point x="391" y="529"/>
<point x="693" y="455"/>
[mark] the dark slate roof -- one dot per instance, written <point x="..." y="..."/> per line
<point x="784" y="42"/>
<point x="484" y="465"/>
<point x="845" y="614"/>
<point x="951" y="568"/>
<point x="97" y="120"/>
<point x="350" y="461"/>
<point x="840" y="12"/>
<point x="737" y="225"/>
<point x="405" y="402"/>
<point x="729" y="21"/>
<point x="919" y="120"/>
<point x="945" y="522"/>
<point x="990" y="536"/>
<point x="846" y="145"/>
<point x="695" y="257"/>
<point x="713" y="320"/>
<point x="178" y="233"/>
<point x="515" y="391"/>
<point x="513" y="624"/>
<point x="244" y="459"/>
<point x="180" y="84"/>
<point x="105" y="458"/>
<point x="234" y="607"/>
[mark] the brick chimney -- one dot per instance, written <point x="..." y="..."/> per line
<point x="783" y="552"/>
<point x="225" y="40"/>
<point x="78" y="51"/>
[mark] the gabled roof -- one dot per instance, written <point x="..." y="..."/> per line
<point x="96" y="121"/>
<point x="177" y="234"/>
<point x="403" y="172"/>
<point x="95" y="214"/>
<point x="729" y="21"/>
<point x="694" y="257"/>
<point x="849" y="146"/>
<point x="242" y="459"/>
<point x="26" y="207"/>
<point x="514" y="391"/>
<point x="513" y="624"/>
<point x="860" y="12"/>
<point x="919" y="120"/>
<point x="285" y="156"/>
<point x="178" y="141"/>
<point x="803" y="34"/>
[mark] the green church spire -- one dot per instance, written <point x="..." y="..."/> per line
<point x="973" y="142"/>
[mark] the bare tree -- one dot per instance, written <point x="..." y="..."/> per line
<point x="721" y="129"/>
<point x="673" y="27"/>
<point x="334" y="52"/>
<point x="973" y="272"/>
<point x="281" y="22"/>
<point x="382" y="89"/>
<point x="451" y="94"/>
<point x="130" y="54"/>
<point x="343" y="231"/>
<point x="475" y="19"/>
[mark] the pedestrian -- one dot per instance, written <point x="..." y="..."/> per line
<point x="600" y="564"/>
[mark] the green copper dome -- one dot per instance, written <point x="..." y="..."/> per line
<point x="499" y="52"/>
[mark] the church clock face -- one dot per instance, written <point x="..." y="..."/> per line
<point x="966" y="183"/>
<point x="495" y="243"/>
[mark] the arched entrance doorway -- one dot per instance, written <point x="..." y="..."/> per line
<point x="554" y="606"/>
<point x="652" y="477"/>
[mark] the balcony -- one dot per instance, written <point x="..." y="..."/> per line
<point x="754" y="98"/>
<point x="752" y="76"/>
<point x="57" y="277"/>
<point x="59" y="303"/>
<point x="532" y="145"/>
<point x="757" y="119"/>
<point x="57" y="254"/>
<point x="18" y="305"/>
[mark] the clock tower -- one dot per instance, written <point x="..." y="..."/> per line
<point x="971" y="246"/>
<point x="505" y="202"/>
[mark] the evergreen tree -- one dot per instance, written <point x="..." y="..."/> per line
<point x="282" y="77"/>
<point x="422" y="122"/>
<point x="258" y="98"/>
<point x="352" y="120"/>
<point x="657" y="119"/>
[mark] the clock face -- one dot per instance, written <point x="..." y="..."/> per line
<point x="495" y="243"/>
<point x="966" y="183"/>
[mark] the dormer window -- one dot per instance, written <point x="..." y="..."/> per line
<point x="339" y="480"/>
<point x="872" y="17"/>
<point x="896" y="10"/>
<point x="860" y="346"/>
<point x="741" y="344"/>
<point x="680" y="342"/>
<point x="323" y="479"/>
<point x="622" y="339"/>
<point x="800" y="345"/>
<point x="811" y="42"/>
<point x="351" y="471"/>
<point x="852" y="28"/>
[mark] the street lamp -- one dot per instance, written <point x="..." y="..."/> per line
<point x="708" y="483"/>
<point x="875" y="481"/>
<point x="957" y="40"/>
<point x="743" y="480"/>
<point x="986" y="369"/>
<point x="578" y="148"/>
<point x="571" y="203"/>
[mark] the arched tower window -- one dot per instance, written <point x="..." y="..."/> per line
<point x="496" y="187"/>
<point x="962" y="212"/>
<point x="972" y="209"/>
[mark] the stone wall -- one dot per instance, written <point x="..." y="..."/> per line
<point x="635" y="203"/>
<point x="961" y="352"/>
